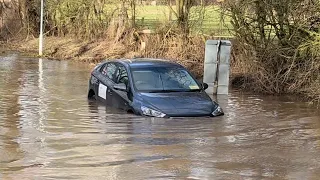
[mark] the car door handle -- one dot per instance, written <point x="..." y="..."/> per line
<point x="110" y="92"/>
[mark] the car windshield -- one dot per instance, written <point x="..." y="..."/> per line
<point x="163" y="79"/>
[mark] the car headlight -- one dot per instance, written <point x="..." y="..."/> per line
<point x="218" y="111"/>
<point x="150" y="112"/>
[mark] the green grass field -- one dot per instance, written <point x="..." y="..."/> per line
<point x="207" y="21"/>
<point x="202" y="20"/>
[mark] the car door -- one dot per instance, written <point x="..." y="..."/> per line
<point x="120" y="98"/>
<point x="106" y="82"/>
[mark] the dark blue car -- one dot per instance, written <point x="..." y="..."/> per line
<point x="151" y="87"/>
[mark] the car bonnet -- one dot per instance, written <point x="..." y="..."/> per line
<point x="180" y="103"/>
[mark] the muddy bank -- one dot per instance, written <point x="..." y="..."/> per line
<point x="188" y="52"/>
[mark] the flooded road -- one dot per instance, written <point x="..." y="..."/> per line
<point x="49" y="130"/>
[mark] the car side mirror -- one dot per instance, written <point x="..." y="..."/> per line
<point x="205" y="86"/>
<point x="120" y="87"/>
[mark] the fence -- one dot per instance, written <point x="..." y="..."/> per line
<point x="215" y="28"/>
<point x="211" y="28"/>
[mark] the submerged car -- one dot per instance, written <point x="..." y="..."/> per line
<point x="151" y="87"/>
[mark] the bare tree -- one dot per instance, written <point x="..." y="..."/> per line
<point x="182" y="13"/>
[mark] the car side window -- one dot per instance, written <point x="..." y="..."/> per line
<point x="122" y="75"/>
<point x="109" y="70"/>
<point x="103" y="69"/>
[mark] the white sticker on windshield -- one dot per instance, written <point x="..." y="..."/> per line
<point x="102" y="92"/>
<point x="194" y="87"/>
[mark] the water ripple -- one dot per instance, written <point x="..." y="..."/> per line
<point x="49" y="130"/>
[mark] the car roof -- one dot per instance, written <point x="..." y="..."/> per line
<point x="147" y="62"/>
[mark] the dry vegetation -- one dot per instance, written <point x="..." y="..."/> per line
<point x="188" y="51"/>
<point x="277" y="48"/>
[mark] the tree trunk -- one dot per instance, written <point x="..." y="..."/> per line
<point x="133" y="13"/>
<point x="183" y="10"/>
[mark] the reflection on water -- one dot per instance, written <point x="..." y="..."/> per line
<point x="49" y="130"/>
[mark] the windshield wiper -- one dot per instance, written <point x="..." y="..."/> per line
<point x="174" y="90"/>
<point x="165" y="91"/>
<point x="193" y="90"/>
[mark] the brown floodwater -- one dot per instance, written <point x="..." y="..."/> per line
<point x="49" y="130"/>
